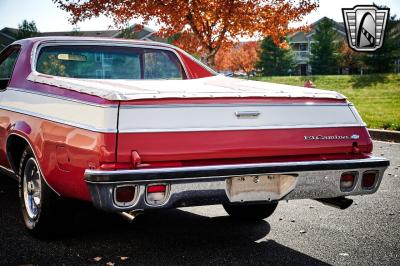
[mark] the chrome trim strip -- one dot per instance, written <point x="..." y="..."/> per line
<point x="8" y="172"/>
<point x="61" y="121"/>
<point x="63" y="98"/>
<point x="235" y="128"/>
<point x="144" y="106"/>
<point x="153" y="45"/>
<point x="222" y="171"/>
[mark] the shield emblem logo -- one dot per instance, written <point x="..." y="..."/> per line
<point x="365" y="27"/>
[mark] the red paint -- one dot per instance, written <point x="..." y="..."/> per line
<point x="239" y="145"/>
<point x="194" y="69"/>
<point x="85" y="149"/>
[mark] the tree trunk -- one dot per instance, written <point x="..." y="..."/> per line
<point x="210" y="59"/>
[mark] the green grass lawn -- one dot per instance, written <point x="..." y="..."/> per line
<point x="376" y="97"/>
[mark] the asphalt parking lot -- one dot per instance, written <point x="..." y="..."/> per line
<point x="299" y="232"/>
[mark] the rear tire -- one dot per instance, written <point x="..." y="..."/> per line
<point x="250" y="212"/>
<point x="40" y="206"/>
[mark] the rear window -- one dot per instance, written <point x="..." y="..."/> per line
<point x="108" y="62"/>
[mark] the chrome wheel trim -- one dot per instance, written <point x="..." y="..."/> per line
<point x="32" y="188"/>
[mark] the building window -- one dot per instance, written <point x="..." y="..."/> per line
<point x="303" y="47"/>
<point x="99" y="74"/>
<point x="98" y="57"/>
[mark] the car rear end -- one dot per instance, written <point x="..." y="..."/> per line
<point x="189" y="152"/>
<point x="187" y="137"/>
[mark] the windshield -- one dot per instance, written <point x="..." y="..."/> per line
<point x="108" y="62"/>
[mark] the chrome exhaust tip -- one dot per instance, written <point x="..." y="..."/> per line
<point x="130" y="216"/>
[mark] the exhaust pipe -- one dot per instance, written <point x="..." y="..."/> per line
<point x="338" y="202"/>
<point x="130" y="216"/>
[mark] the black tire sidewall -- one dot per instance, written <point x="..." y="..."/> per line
<point x="29" y="223"/>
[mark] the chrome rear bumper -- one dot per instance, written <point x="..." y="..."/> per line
<point x="206" y="185"/>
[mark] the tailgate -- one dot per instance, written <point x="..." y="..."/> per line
<point x="184" y="132"/>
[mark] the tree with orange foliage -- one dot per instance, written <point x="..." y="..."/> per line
<point x="203" y="26"/>
<point x="349" y="59"/>
<point x="223" y="60"/>
<point x="242" y="57"/>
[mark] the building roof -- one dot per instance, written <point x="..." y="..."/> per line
<point x="9" y="35"/>
<point x="301" y="36"/>
<point x="94" y="33"/>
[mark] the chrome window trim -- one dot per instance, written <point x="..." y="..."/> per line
<point x="39" y="45"/>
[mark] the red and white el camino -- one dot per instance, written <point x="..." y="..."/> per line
<point x="133" y="126"/>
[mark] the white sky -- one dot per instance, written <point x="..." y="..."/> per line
<point x="50" y="18"/>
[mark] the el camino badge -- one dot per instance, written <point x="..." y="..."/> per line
<point x="333" y="137"/>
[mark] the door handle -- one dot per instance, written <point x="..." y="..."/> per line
<point x="247" y="114"/>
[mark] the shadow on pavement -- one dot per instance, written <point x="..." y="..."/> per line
<point x="168" y="237"/>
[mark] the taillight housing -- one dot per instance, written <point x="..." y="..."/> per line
<point x="369" y="179"/>
<point x="157" y="194"/>
<point x="125" y="195"/>
<point x="348" y="181"/>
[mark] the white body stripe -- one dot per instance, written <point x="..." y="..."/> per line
<point x="87" y="116"/>
<point x="227" y="117"/>
<point x="170" y="118"/>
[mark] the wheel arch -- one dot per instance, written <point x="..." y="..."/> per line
<point x="15" y="146"/>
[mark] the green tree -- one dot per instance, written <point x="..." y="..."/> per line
<point x="324" y="52"/>
<point x="383" y="59"/>
<point x="27" y="30"/>
<point x="129" y="32"/>
<point x="350" y="59"/>
<point x="275" y="60"/>
<point x="76" y="31"/>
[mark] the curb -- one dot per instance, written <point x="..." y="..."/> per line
<point x="385" y="135"/>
